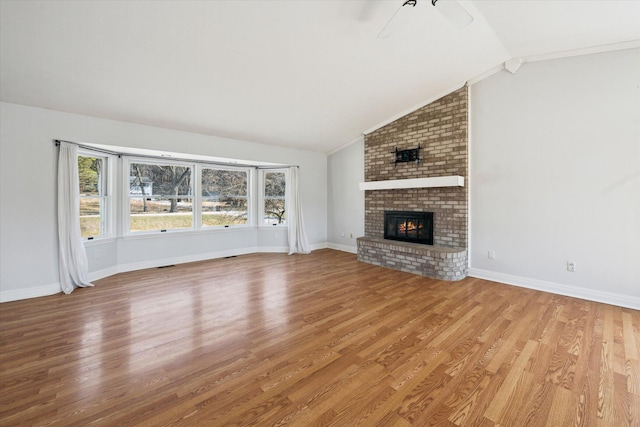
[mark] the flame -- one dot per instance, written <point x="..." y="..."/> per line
<point x="408" y="227"/>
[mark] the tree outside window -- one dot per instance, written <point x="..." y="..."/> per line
<point x="160" y="196"/>
<point x="164" y="195"/>
<point x="93" y="196"/>
<point x="274" y="198"/>
<point x="224" y="197"/>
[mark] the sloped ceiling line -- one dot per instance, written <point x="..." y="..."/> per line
<point x="309" y="75"/>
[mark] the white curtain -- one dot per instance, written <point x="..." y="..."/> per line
<point x="72" y="258"/>
<point x="298" y="242"/>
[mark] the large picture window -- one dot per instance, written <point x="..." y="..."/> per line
<point x="273" y="202"/>
<point x="224" y="197"/>
<point x="160" y="196"/>
<point x="95" y="197"/>
<point x="165" y="195"/>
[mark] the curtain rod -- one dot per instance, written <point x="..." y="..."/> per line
<point x="99" y="150"/>
<point x="147" y="156"/>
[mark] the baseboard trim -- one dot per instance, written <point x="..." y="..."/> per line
<point x="124" y="268"/>
<point x="34" y="292"/>
<point x="101" y="274"/>
<point x="54" y="288"/>
<point x="621" y="300"/>
<point x="317" y="246"/>
<point x="51" y="289"/>
<point x="272" y="249"/>
<point x="343" y="248"/>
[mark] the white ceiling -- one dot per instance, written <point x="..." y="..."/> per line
<point x="305" y="74"/>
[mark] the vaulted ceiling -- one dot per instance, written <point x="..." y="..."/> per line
<point x="305" y="74"/>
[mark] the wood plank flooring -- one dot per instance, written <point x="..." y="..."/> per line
<point x="310" y="340"/>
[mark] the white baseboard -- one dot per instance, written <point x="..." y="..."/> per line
<point x="34" y="292"/>
<point x="621" y="300"/>
<point x="273" y="249"/>
<point x="317" y="246"/>
<point x="101" y="274"/>
<point x="343" y="248"/>
<point x="123" y="268"/>
<point x="51" y="289"/>
<point x="54" y="288"/>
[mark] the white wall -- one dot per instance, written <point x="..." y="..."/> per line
<point x="555" y="176"/>
<point x="28" y="230"/>
<point x="345" y="214"/>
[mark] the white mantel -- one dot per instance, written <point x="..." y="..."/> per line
<point x="392" y="184"/>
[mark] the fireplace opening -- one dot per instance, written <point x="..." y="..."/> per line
<point x="406" y="226"/>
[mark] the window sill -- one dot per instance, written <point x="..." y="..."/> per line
<point x="202" y="231"/>
<point x="98" y="241"/>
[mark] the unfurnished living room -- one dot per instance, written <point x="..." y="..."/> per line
<point x="340" y="213"/>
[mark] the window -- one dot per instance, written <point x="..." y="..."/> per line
<point x="160" y="196"/>
<point x="273" y="203"/>
<point x="224" y="197"/>
<point x="95" y="197"/>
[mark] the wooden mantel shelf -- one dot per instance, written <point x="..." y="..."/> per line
<point x="392" y="184"/>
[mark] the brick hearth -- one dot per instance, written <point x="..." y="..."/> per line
<point x="432" y="261"/>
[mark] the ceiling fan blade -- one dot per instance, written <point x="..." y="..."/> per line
<point x="399" y="18"/>
<point x="453" y="12"/>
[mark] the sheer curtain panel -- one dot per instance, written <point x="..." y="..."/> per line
<point x="297" y="237"/>
<point x="72" y="258"/>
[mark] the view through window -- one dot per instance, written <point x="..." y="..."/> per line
<point x="170" y="195"/>
<point x="274" y="198"/>
<point x="160" y="196"/>
<point x="224" y="197"/>
<point x="92" y="178"/>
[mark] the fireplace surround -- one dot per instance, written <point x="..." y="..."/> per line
<point x="409" y="226"/>
<point x="440" y="129"/>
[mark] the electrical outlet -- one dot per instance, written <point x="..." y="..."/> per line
<point x="342" y="234"/>
<point x="491" y="254"/>
<point x="351" y="235"/>
<point x="571" y="266"/>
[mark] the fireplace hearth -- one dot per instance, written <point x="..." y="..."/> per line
<point x="407" y="226"/>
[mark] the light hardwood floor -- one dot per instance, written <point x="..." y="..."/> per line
<point x="271" y="339"/>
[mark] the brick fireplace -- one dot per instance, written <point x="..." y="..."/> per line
<point x="440" y="130"/>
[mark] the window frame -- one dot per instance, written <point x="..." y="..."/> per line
<point x="196" y="196"/>
<point x="108" y="212"/>
<point x="262" y="197"/>
<point x="250" y="198"/>
<point x="126" y="198"/>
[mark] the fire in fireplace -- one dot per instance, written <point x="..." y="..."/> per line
<point x="415" y="227"/>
